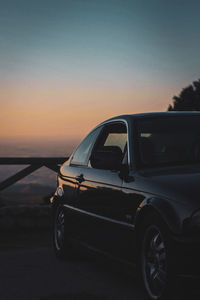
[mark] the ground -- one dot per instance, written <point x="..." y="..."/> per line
<point x="30" y="271"/>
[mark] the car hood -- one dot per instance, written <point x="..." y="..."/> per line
<point x="181" y="184"/>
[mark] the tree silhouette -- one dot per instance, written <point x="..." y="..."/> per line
<point x="188" y="99"/>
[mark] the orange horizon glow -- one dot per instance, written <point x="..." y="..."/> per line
<point x="47" y="110"/>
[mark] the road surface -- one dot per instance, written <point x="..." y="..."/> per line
<point x="30" y="271"/>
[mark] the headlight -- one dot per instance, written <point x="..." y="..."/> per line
<point x="59" y="191"/>
<point x="192" y="224"/>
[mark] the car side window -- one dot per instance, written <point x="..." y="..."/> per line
<point x="116" y="139"/>
<point x="111" y="147"/>
<point x="81" y="154"/>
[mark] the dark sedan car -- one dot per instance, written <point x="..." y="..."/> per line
<point x="132" y="190"/>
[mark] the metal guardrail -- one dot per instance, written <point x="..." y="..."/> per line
<point x="34" y="163"/>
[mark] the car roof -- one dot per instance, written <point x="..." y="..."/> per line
<point x="129" y="117"/>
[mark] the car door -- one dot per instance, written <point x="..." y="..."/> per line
<point x="71" y="175"/>
<point x="100" y="196"/>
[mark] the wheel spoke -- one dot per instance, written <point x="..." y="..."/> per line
<point x="153" y="273"/>
<point x="156" y="282"/>
<point x="160" y="247"/>
<point x="162" y="276"/>
<point x="151" y="268"/>
<point x="154" y="241"/>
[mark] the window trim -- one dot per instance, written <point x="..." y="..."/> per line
<point x="102" y="125"/>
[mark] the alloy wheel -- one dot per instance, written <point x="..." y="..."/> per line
<point x="59" y="229"/>
<point x="154" y="262"/>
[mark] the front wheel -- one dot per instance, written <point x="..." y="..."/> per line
<point x="155" y="260"/>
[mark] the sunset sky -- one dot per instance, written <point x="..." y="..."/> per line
<point x="67" y="65"/>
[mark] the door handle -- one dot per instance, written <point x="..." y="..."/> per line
<point x="80" y="178"/>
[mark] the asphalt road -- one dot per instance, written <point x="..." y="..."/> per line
<point x="30" y="271"/>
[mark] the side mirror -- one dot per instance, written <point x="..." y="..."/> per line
<point x="107" y="158"/>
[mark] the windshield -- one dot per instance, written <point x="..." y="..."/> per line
<point x="168" y="140"/>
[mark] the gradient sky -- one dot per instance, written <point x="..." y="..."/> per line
<point x="67" y="65"/>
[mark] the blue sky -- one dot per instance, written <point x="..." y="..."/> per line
<point x="136" y="45"/>
<point x="108" y="38"/>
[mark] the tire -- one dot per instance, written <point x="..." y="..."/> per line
<point x="156" y="263"/>
<point x="61" y="243"/>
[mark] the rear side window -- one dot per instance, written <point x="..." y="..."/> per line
<point x="171" y="140"/>
<point x="80" y="156"/>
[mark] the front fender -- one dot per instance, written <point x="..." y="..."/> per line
<point x="170" y="212"/>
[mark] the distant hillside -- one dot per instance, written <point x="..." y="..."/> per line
<point x="26" y="194"/>
<point x="32" y="188"/>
